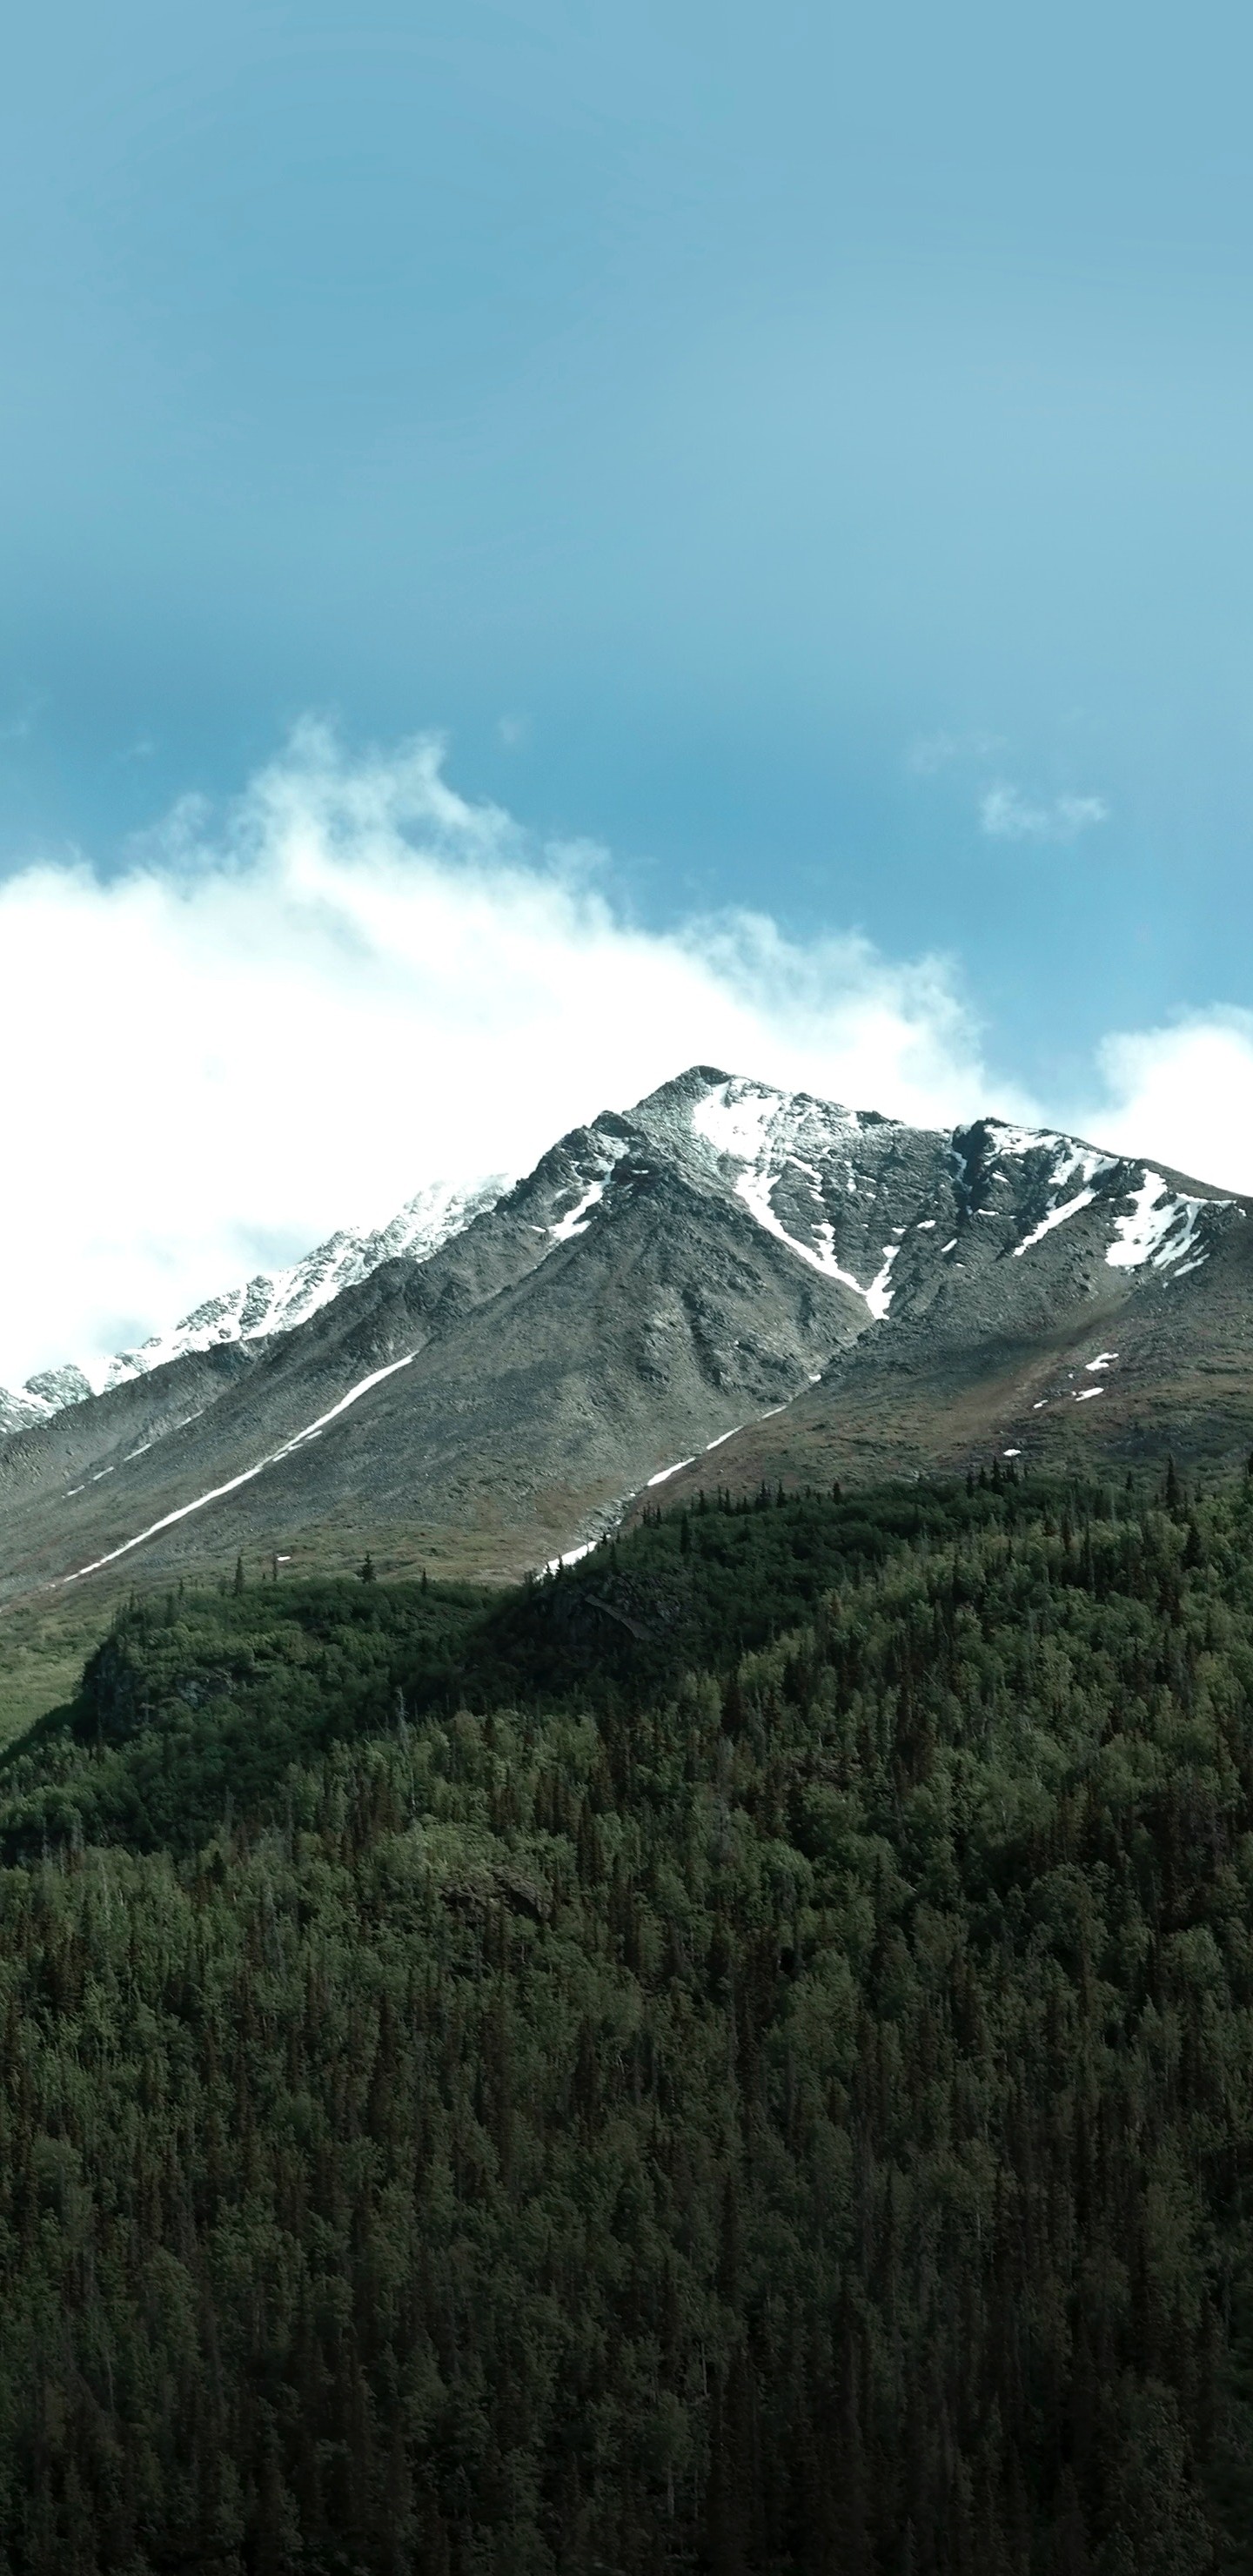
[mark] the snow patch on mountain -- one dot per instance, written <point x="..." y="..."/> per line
<point x="664" y="1473"/>
<point x="578" y="1218"/>
<point x="1066" y="1153"/>
<point x="754" y="1189"/>
<point x="736" y="1119"/>
<point x="878" y="1295"/>
<point x="1160" y="1227"/>
<point x="1067" y="1162"/>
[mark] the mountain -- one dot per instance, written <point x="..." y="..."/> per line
<point x="272" y="1301"/>
<point x="807" y="1291"/>
<point x="1052" y="1303"/>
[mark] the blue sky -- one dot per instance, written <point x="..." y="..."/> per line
<point x="805" y="451"/>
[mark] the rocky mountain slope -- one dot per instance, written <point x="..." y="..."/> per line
<point x="1081" y="1303"/>
<point x="804" y="1289"/>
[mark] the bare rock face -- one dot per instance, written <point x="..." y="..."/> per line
<point x="725" y="1281"/>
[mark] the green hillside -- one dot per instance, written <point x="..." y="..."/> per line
<point x="738" y="2059"/>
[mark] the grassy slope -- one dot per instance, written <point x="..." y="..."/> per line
<point x="44" y="1644"/>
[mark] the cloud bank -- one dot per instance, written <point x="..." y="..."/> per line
<point x="1183" y="1095"/>
<point x="358" y="981"/>
<point x="355" y="982"/>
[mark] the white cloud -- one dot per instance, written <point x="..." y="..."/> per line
<point x="359" y="982"/>
<point x="1183" y="1095"/>
<point x="1005" y="814"/>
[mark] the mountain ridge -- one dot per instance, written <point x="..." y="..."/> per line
<point x="809" y="1289"/>
<point x="271" y="1301"/>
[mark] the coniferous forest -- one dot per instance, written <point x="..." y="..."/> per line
<point x="737" y="2058"/>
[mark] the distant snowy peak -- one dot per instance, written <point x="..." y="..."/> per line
<point x="275" y="1301"/>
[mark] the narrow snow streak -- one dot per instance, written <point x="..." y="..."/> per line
<point x="878" y="1295"/>
<point x="571" y="1556"/>
<point x="1056" y="1216"/>
<point x="664" y="1472"/>
<point x="754" y="1189"/>
<point x="310" y="1432"/>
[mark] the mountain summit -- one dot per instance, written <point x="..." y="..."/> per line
<point x="805" y="1289"/>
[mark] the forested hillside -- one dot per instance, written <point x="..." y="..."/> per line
<point x="738" y="2058"/>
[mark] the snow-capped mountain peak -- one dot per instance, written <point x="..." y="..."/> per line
<point x="823" y="1179"/>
